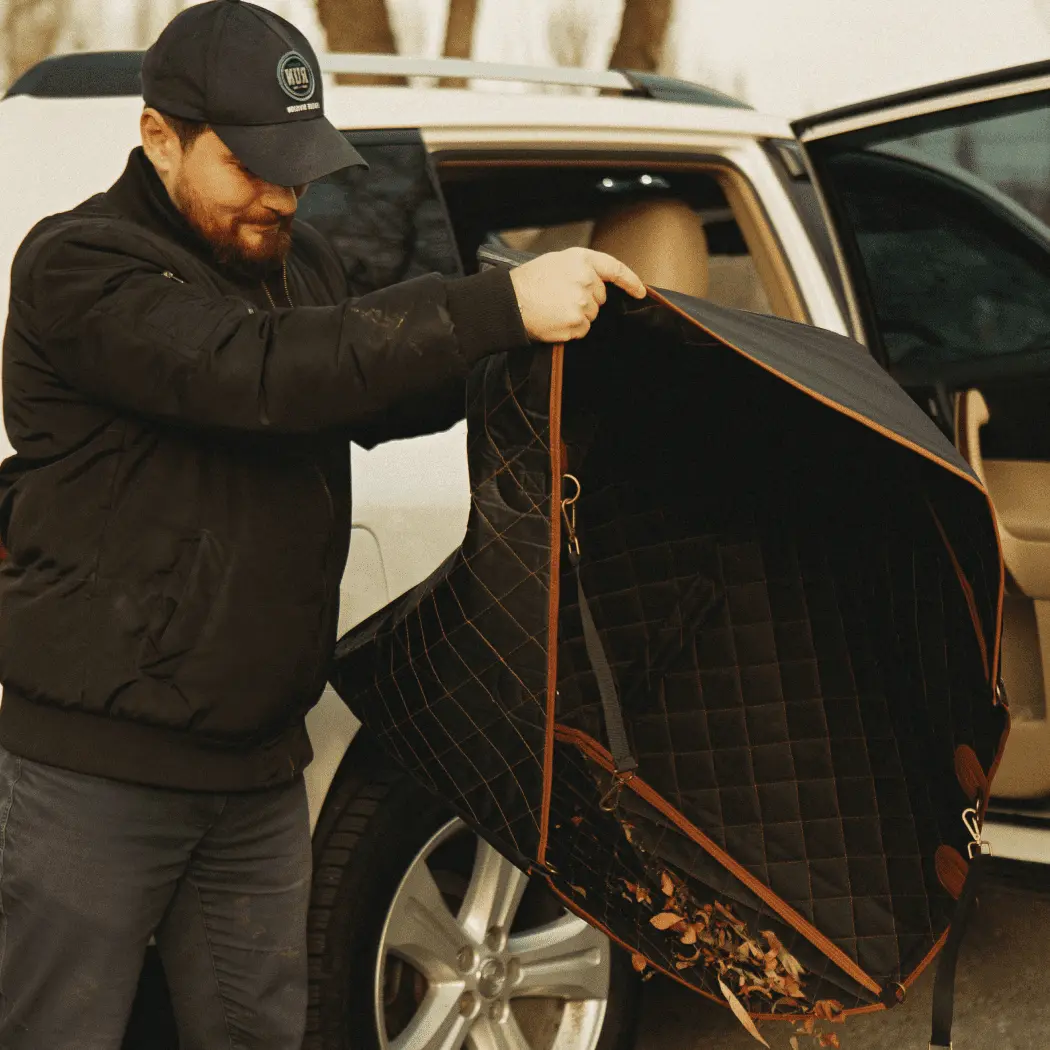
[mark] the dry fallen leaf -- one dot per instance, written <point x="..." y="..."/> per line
<point x="740" y="1013"/>
<point x="689" y="935"/>
<point x="790" y="963"/>
<point x="665" y="920"/>
<point x="828" y="1010"/>
<point x="666" y="885"/>
<point x="830" y="1039"/>
<point x="638" y="962"/>
<point x="793" y="1042"/>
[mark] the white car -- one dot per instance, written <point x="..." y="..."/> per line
<point x="915" y="224"/>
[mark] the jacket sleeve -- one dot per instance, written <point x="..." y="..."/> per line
<point x="118" y="328"/>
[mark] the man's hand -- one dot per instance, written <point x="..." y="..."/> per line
<point x="559" y="294"/>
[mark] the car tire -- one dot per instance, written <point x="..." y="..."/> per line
<point x="368" y="842"/>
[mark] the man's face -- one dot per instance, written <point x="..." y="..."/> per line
<point x="247" y="221"/>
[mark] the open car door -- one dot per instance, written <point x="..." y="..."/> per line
<point x="939" y="203"/>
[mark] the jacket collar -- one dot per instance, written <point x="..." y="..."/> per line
<point x="140" y="196"/>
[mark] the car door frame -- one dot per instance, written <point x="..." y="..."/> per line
<point x="1017" y="832"/>
<point x="887" y="110"/>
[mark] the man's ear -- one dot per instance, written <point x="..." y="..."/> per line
<point x="160" y="144"/>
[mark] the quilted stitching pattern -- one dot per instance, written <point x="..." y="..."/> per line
<point x="452" y="677"/>
<point x="593" y="859"/>
<point x="796" y="654"/>
<point x="779" y="731"/>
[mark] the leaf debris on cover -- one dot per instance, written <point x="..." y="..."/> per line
<point x="745" y="966"/>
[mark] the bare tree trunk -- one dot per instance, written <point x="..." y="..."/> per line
<point x="359" y="26"/>
<point x="459" y="35"/>
<point x="30" y="32"/>
<point x="642" y="35"/>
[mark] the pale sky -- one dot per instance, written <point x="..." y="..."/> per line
<point x="794" y="56"/>
<point x="803" y="55"/>
<point x="789" y="56"/>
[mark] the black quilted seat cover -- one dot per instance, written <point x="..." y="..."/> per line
<point x="797" y="583"/>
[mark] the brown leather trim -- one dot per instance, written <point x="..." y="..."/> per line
<point x="930" y="956"/>
<point x="870" y="423"/>
<point x="952" y="869"/>
<point x="971" y="602"/>
<point x="971" y="776"/>
<point x="554" y="594"/>
<point x="590" y="747"/>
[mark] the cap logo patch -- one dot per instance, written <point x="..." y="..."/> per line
<point x="296" y="77"/>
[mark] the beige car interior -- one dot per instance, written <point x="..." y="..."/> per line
<point x="664" y="241"/>
<point x="1020" y="493"/>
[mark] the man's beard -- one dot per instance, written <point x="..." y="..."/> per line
<point x="253" y="262"/>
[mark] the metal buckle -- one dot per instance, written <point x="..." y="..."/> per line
<point x="972" y="821"/>
<point x="612" y="796"/>
<point x="568" y="512"/>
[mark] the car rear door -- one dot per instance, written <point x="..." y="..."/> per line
<point x="939" y="204"/>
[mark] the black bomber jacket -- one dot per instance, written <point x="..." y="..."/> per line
<point x="177" y="510"/>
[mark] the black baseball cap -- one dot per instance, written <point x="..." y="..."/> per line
<point x="255" y="80"/>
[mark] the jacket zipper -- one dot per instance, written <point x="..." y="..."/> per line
<point x="175" y="277"/>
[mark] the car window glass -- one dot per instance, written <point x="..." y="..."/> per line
<point x="951" y="229"/>
<point x="388" y="222"/>
<point x="514" y="207"/>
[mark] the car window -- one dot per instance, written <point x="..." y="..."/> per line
<point x="578" y="204"/>
<point x="388" y="222"/>
<point x="950" y="228"/>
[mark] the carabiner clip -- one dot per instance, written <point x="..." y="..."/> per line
<point x="568" y="512"/>
<point x="612" y="796"/>
<point x="972" y="821"/>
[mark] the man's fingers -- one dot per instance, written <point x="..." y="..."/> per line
<point x="599" y="291"/>
<point x="590" y="311"/>
<point x="610" y="269"/>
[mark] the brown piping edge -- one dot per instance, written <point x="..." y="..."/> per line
<point x="553" y="593"/>
<point x="993" y="677"/>
<point x="842" y="409"/>
<point x="576" y="909"/>
<point x="597" y="753"/>
<point x="971" y="601"/>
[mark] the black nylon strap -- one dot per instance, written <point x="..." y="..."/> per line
<point x="944" y="983"/>
<point x="615" y="730"/>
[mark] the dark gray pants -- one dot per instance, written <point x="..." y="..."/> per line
<point x="91" y="868"/>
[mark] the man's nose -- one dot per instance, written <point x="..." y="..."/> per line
<point x="281" y="199"/>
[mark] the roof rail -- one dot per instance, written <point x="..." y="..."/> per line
<point x="92" y="74"/>
<point x="466" y="69"/>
